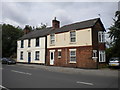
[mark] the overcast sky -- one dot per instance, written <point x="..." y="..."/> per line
<point x="35" y="13"/>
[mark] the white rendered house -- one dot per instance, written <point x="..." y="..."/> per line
<point x="31" y="47"/>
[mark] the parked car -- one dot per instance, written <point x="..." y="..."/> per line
<point x="8" y="61"/>
<point x="114" y="62"/>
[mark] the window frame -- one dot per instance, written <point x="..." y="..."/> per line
<point x="52" y="40"/>
<point x="94" y="53"/>
<point x="72" y="37"/>
<point x="37" y="55"/>
<point x="72" y="50"/>
<point x="101" y="37"/>
<point x="37" y="42"/>
<point x="59" y="53"/>
<point x="102" y="53"/>
<point x="22" y="43"/>
<point x="29" y="42"/>
<point x="21" y="55"/>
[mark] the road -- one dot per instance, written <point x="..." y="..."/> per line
<point x="15" y="76"/>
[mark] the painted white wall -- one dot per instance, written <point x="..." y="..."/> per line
<point x="83" y="38"/>
<point x="31" y="49"/>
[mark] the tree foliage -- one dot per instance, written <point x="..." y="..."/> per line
<point x="41" y="27"/>
<point x="114" y="34"/>
<point x="10" y="34"/>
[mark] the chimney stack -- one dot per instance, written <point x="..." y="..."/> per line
<point x="27" y="29"/>
<point x="55" y="23"/>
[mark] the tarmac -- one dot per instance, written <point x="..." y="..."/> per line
<point x="69" y="70"/>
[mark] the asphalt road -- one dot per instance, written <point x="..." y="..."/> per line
<point x="15" y="76"/>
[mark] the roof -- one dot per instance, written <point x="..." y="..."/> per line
<point x="36" y="33"/>
<point x="50" y="30"/>
<point x="76" y="26"/>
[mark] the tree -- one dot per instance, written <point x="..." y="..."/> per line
<point x="10" y="34"/>
<point x="41" y="27"/>
<point x="115" y="36"/>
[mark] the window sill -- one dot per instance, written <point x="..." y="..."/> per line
<point x="102" y="61"/>
<point x="72" y="42"/>
<point x="52" y="44"/>
<point x="94" y="57"/>
<point x="59" y="57"/>
<point x="72" y="62"/>
<point x="37" y="46"/>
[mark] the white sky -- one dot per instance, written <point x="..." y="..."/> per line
<point x="35" y="13"/>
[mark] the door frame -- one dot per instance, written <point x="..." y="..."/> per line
<point x="52" y="60"/>
<point x="29" y="57"/>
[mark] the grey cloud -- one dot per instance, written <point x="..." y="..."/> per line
<point x="33" y="13"/>
<point x="13" y="13"/>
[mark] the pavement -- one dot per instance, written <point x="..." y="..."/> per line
<point x="69" y="70"/>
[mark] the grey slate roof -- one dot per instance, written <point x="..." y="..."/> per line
<point x="36" y="33"/>
<point x="74" y="26"/>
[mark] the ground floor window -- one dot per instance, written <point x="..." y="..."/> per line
<point x="94" y="53"/>
<point x="59" y="53"/>
<point x="21" y="55"/>
<point x="37" y="55"/>
<point x="102" y="56"/>
<point x="72" y="55"/>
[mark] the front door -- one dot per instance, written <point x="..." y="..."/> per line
<point x="52" y="58"/>
<point x="29" y="57"/>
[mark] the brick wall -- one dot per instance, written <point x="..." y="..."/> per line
<point x="83" y="57"/>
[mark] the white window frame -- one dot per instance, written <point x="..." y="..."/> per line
<point x="37" y="55"/>
<point x="37" y="42"/>
<point x="22" y="43"/>
<point x="72" y="50"/>
<point x="101" y="36"/>
<point x="52" y="40"/>
<point x="29" y="42"/>
<point x="72" y="37"/>
<point x="94" y="53"/>
<point x="21" y="55"/>
<point x="102" y="57"/>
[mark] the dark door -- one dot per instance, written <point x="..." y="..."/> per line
<point x="29" y="57"/>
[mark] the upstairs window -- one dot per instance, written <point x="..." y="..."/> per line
<point x="37" y="53"/>
<point x="52" y="39"/>
<point x="37" y="42"/>
<point x="72" y="36"/>
<point x="21" y="55"/>
<point x="22" y="43"/>
<point x="101" y="37"/>
<point x="102" y="56"/>
<point x="29" y="42"/>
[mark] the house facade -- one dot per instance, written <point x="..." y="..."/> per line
<point x="80" y="44"/>
<point x="31" y="48"/>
